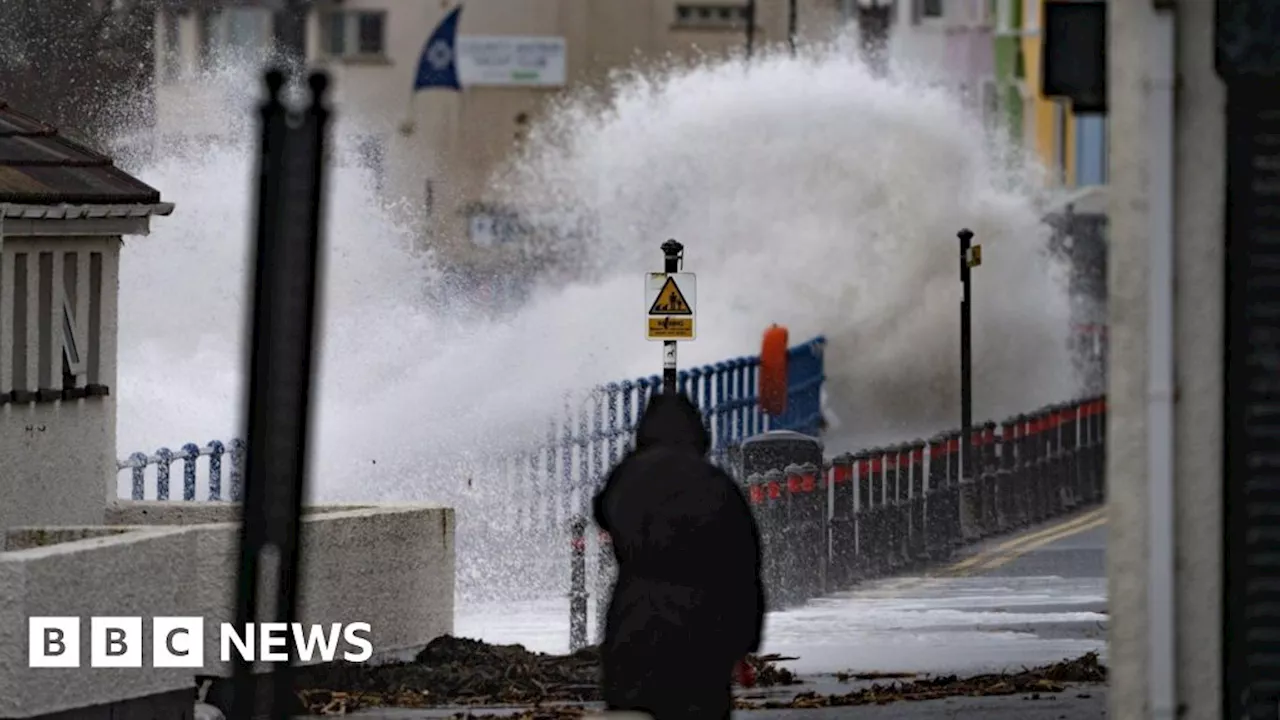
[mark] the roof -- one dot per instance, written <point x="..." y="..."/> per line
<point x="40" y="167"/>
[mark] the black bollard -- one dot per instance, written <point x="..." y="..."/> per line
<point x="843" y="523"/>
<point x="937" y="543"/>
<point x="861" y="515"/>
<point x="917" y="535"/>
<point x="772" y="538"/>
<point x="769" y="453"/>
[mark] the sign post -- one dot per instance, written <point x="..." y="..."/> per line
<point x="970" y="257"/>
<point x="671" y="299"/>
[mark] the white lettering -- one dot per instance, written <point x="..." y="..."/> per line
<point x="306" y="642"/>
<point x="244" y="643"/>
<point x="352" y="636"/>
<point x="273" y="635"/>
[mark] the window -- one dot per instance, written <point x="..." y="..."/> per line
<point x="369" y="32"/>
<point x="351" y="33"/>
<point x="711" y="16"/>
<point x="931" y="8"/>
<point x="244" y="30"/>
<point x="1091" y="150"/>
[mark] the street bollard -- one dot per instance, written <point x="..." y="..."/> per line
<point x="918" y="534"/>
<point x="1084" y="452"/>
<point x="895" y="513"/>
<point x="578" y="584"/>
<point x="1007" y="452"/>
<point x="1070" y="446"/>
<point x="902" y="508"/>
<point x="936" y="539"/>
<point x="1040" y="466"/>
<point x="1100" y="461"/>
<point x="1093" y="442"/>
<point x="758" y="497"/>
<point x="862" y="515"/>
<point x="1023" y="487"/>
<point x="807" y="511"/>
<point x="950" y="510"/>
<point x="877" y="543"/>
<point x="792" y="575"/>
<point x="769" y="453"/>
<point x="771" y="537"/>
<point x="843" y="553"/>
<point x="987" y="479"/>
<point x="1053" y="445"/>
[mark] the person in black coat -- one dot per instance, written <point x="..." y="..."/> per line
<point x="688" y="603"/>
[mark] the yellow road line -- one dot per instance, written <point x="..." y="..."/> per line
<point x="1009" y="545"/>
<point x="1036" y="545"/>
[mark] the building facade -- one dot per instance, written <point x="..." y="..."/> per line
<point x="952" y="41"/>
<point x="435" y="151"/>
<point x="1072" y="147"/>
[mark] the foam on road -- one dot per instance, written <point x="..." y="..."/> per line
<point x="1030" y="600"/>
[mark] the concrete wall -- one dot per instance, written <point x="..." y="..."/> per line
<point x="57" y="458"/>
<point x="389" y="565"/>
<point x="1199" y="203"/>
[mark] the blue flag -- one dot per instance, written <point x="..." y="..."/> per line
<point x="438" y="66"/>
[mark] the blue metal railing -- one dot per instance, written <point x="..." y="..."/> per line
<point x="552" y="480"/>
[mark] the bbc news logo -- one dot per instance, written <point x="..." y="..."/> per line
<point x="178" y="642"/>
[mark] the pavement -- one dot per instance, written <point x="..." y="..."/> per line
<point x="1009" y="603"/>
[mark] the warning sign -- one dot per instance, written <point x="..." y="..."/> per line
<point x="670" y="328"/>
<point x="672" y="302"/>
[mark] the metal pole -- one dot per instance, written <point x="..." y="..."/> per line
<point x="751" y="27"/>
<point x="966" y="357"/>
<point x="286" y="280"/>
<point x="793" y="24"/>
<point x="673" y="253"/>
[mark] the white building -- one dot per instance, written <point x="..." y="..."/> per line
<point x="436" y="150"/>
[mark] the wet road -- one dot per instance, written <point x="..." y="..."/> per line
<point x="1032" y="599"/>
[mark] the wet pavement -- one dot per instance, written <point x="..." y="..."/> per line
<point x="1007" y="604"/>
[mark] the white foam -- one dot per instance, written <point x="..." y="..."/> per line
<point x="806" y="192"/>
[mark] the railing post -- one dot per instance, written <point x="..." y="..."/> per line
<point x="937" y="543"/>
<point x="773" y="537"/>
<point x="917" y="541"/>
<point x="1057" y="475"/>
<point x="899" y="518"/>
<point x="216" y="451"/>
<point x="1040" y="465"/>
<point x="190" y="454"/>
<point x="1070" y="452"/>
<point x="844" y="538"/>
<point x="164" y="463"/>
<point x="1007" y="449"/>
<point x="138" y="475"/>
<point x="988" y="457"/>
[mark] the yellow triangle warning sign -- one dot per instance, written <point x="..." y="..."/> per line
<point x="670" y="300"/>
